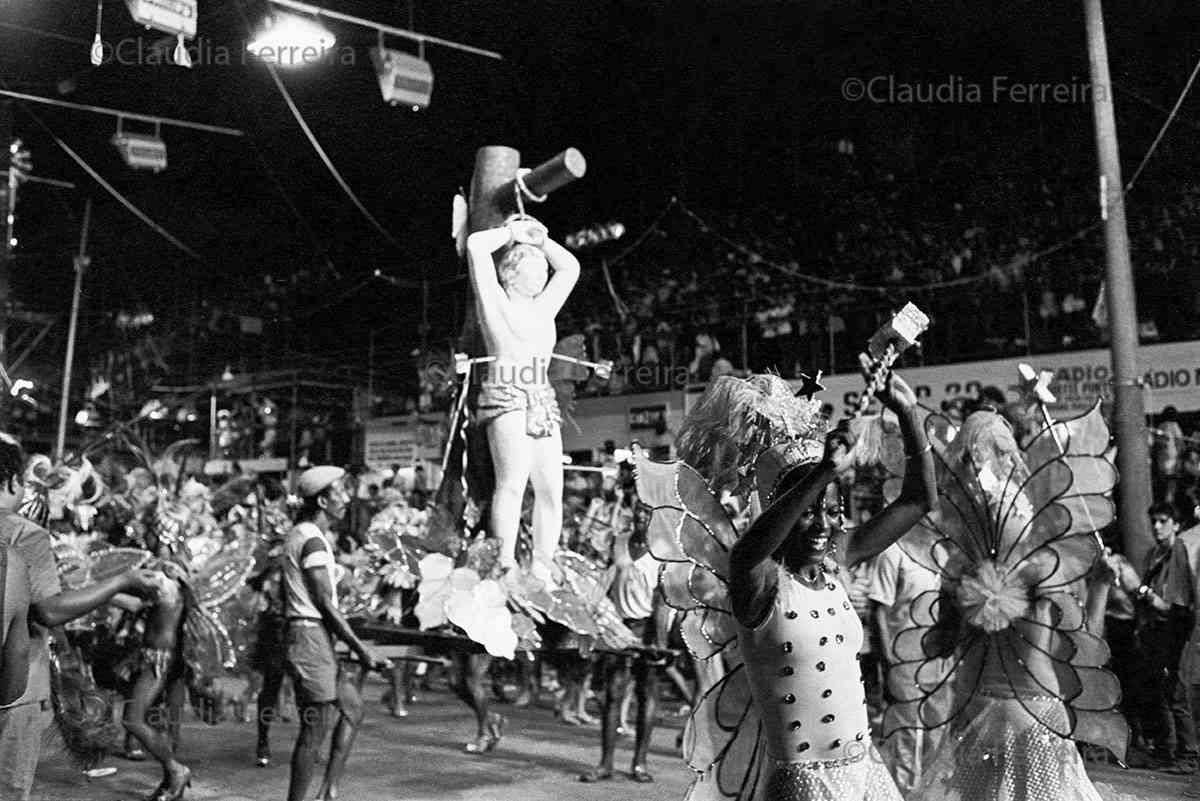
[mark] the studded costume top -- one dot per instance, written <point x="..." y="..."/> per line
<point x="802" y="663"/>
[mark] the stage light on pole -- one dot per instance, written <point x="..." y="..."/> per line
<point x="291" y="41"/>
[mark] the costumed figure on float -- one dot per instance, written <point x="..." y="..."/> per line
<point x="476" y="583"/>
<point x="788" y="720"/>
<point x="1019" y="615"/>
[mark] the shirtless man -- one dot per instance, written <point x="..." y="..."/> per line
<point x="517" y="300"/>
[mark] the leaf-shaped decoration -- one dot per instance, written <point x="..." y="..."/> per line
<point x="112" y="562"/>
<point x="480" y="610"/>
<point x="222" y="577"/>
<point x="433" y="590"/>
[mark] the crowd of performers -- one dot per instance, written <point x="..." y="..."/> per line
<point x="742" y="548"/>
<point x="166" y="586"/>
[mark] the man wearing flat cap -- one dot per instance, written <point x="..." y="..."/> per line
<point x="313" y="622"/>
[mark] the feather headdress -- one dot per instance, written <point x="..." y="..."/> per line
<point x="737" y="419"/>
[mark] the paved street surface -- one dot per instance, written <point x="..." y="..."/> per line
<point x="419" y="759"/>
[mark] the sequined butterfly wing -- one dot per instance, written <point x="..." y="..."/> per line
<point x="691" y="534"/>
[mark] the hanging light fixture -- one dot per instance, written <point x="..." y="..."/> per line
<point x="288" y="40"/>
<point x="141" y="151"/>
<point x="98" y="43"/>
<point x="404" y="79"/>
<point x="176" y="17"/>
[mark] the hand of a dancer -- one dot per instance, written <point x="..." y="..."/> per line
<point x="1105" y="570"/>
<point x="174" y="571"/>
<point x="142" y="582"/>
<point x="896" y="394"/>
<point x="374" y="660"/>
<point x="839" y="446"/>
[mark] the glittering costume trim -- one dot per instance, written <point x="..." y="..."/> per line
<point x="542" y="416"/>
<point x="821" y="764"/>
<point x="862" y="777"/>
<point x="1005" y="694"/>
<point x="155" y="660"/>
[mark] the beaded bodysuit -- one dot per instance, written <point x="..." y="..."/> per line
<point x="802" y="663"/>
<point x="788" y="721"/>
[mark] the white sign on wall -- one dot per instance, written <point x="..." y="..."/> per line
<point x="402" y="441"/>
<point x="1171" y="373"/>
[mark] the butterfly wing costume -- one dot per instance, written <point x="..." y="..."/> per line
<point x="773" y="721"/>
<point x="1001" y="653"/>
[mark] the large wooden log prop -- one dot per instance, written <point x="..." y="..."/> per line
<point x="493" y="197"/>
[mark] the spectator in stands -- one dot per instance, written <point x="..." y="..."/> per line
<point x="707" y="348"/>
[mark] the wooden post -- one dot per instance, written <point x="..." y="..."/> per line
<point x="1128" y="416"/>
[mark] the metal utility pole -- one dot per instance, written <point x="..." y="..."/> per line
<point x="81" y="264"/>
<point x="1129" y="420"/>
<point x="6" y="209"/>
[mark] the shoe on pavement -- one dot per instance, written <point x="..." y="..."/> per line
<point x="596" y="775"/>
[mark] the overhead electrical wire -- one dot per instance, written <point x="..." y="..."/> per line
<point x="312" y="139"/>
<point x="1163" y="130"/>
<point x="337" y="176"/>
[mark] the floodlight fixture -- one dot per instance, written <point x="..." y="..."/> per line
<point x="289" y="40"/>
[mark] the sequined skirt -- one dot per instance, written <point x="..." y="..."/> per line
<point x="997" y="751"/>
<point x="864" y="778"/>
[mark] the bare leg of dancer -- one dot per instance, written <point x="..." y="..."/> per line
<point x="645" y="684"/>
<point x="268" y="705"/>
<point x="469" y="687"/>
<point x="616" y="679"/>
<point x="350" y="716"/>
<point x="176" y="695"/>
<point x="146" y="688"/>
<point x="314" y="723"/>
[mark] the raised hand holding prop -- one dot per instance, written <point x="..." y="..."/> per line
<point x="896" y="336"/>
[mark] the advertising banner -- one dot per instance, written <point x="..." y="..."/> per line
<point x="1171" y="373"/>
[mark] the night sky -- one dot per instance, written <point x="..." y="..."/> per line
<point x="726" y="104"/>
